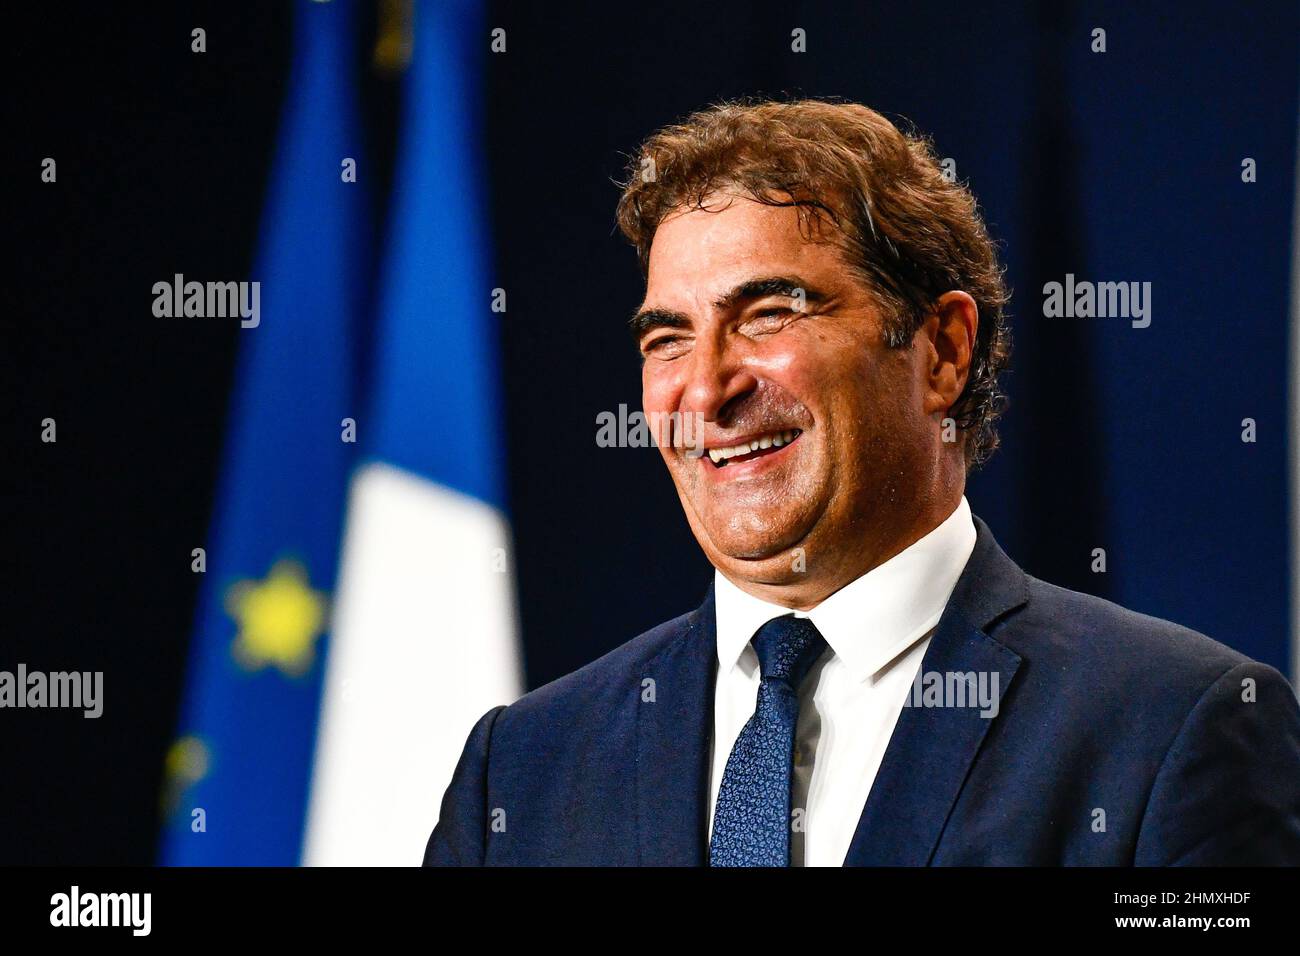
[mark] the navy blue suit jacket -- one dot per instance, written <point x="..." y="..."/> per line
<point x="1120" y="739"/>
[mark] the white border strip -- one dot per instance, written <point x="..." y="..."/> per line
<point x="1293" y="423"/>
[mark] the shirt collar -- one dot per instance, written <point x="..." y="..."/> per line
<point x="873" y="619"/>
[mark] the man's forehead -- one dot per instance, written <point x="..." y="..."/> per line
<point x="705" y="253"/>
<point x="737" y="223"/>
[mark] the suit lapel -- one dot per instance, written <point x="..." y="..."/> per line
<point x="925" y="764"/>
<point x="931" y="749"/>
<point x="673" y="734"/>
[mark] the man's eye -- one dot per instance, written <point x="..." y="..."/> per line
<point x="769" y="320"/>
<point x="659" y="344"/>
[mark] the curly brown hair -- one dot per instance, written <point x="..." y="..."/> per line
<point x="906" y="230"/>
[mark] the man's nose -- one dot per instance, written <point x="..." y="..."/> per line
<point x="716" y="376"/>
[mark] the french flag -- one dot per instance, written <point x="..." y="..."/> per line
<point x="424" y="633"/>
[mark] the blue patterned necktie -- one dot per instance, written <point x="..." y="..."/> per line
<point x="751" y="822"/>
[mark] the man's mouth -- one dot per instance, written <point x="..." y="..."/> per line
<point x="755" y="447"/>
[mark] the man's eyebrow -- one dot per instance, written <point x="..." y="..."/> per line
<point x="648" y="319"/>
<point x="764" y="286"/>
<point x="758" y="288"/>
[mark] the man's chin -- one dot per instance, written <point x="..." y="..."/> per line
<point x="771" y="547"/>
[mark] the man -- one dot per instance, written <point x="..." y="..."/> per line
<point x="870" y="679"/>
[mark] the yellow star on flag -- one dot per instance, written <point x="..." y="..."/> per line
<point x="279" y="620"/>
<point x="188" y="760"/>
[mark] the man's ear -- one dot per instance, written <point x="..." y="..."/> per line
<point x="948" y="338"/>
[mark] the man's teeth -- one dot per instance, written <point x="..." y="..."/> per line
<point x="775" y="440"/>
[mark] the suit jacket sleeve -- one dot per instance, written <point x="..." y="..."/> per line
<point x="459" y="838"/>
<point x="1228" y="790"/>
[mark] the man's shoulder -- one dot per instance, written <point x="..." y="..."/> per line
<point x="606" y="683"/>
<point x="1092" y="643"/>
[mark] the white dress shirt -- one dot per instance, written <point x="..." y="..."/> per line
<point x="877" y="628"/>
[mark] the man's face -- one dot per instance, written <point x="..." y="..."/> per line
<point x="728" y="338"/>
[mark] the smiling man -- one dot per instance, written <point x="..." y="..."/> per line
<point x="870" y="679"/>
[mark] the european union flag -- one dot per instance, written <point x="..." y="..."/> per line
<point x="238" y="777"/>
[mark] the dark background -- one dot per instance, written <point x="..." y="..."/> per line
<point x="1121" y="166"/>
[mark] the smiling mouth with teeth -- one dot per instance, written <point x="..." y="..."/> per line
<point x="756" y="448"/>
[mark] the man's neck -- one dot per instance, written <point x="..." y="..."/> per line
<point x="804" y="589"/>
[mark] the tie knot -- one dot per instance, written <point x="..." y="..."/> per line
<point x="787" y="646"/>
